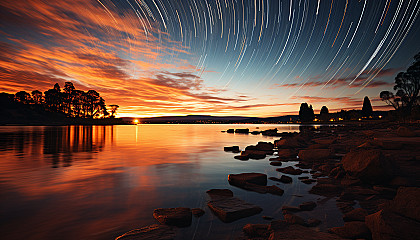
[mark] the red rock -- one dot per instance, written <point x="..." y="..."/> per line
<point x="407" y="202"/>
<point x="312" y="222"/>
<point x="286" y="153"/>
<point x="368" y="165"/>
<point x="152" y="232"/>
<point x="243" y="178"/>
<point x="231" y="209"/>
<point x="405" y="132"/>
<point x="357" y="214"/>
<point x="352" y="230"/>
<point x="254" y="154"/>
<point x="290" y="170"/>
<point x="219" y="193"/>
<point x="386" y="225"/>
<point x="197" y="212"/>
<point x="276" y="163"/>
<point x="293" y="219"/>
<point x="180" y="217"/>
<point x="314" y="154"/>
<point x="256" y="230"/>
<point x="298" y="232"/>
<point x="326" y="189"/>
<point x="307" y="206"/>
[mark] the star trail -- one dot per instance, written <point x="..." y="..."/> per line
<point x="219" y="57"/>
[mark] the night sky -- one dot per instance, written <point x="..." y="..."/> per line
<point x="218" y="57"/>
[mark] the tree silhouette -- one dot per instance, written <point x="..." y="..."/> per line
<point x="114" y="110"/>
<point x="37" y="96"/>
<point x="23" y="97"/>
<point x="407" y="85"/>
<point x="70" y="101"/>
<point x="306" y="113"/>
<point x="367" y="107"/>
<point x="324" y="110"/>
<point x="324" y="114"/>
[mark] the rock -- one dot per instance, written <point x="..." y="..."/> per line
<point x="290" y="142"/>
<point x="352" y="230"/>
<point x="267" y="217"/>
<point x="368" y="165"/>
<point x="313" y="222"/>
<point x="152" y="232"/>
<point x="286" y="209"/>
<point x="298" y="232"/>
<point x="285" y="179"/>
<point x="275" y="190"/>
<point x="324" y="141"/>
<point x="254" y="154"/>
<point x="308" y="181"/>
<point x="314" y="154"/>
<point x="232" y="149"/>
<point x="405" y="132"/>
<point x="231" y="209"/>
<point x="197" y="212"/>
<point x="219" y="193"/>
<point x="290" y="170"/>
<point x="230" y="131"/>
<point x="286" y="153"/>
<point x="255" y="132"/>
<point x="307" y="206"/>
<point x="407" y="202"/>
<point x="326" y="189"/>
<point x="256" y="230"/>
<point x="293" y="219"/>
<point x="243" y="178"/>
<point x="244" y="130"/>
<point x="318" y="146"/>
<point x="265" y="146"/>
<point x="180" y="217"/>
<point x="276" y="163"/>
<point x="357" y="214"/>
<point x="270" y="132"/>
<point x="243" y="158"/>
<point x="386" y="225"/>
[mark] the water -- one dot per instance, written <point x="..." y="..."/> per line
<point x="98" y="182"/>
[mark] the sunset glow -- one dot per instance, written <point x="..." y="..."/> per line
<point x="250" y="58"/>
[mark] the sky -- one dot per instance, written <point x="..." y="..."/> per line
<point x="214" y="57"/>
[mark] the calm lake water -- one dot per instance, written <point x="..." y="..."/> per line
<point x="98" y="182"/>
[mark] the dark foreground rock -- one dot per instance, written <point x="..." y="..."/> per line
<point x="152" y="232"/>
<point x="357" y="214"/>
<point x="282" y="230"/>
<point x="232" y="208"/>
<point x="399" y="219"/>
<point x="368" y="165"/>
<point x="180" y="217"/>
<point x="352" y="230"/>
<point x="234" y="149"/>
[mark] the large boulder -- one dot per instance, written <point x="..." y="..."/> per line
<point x="180" y="217"/>
<point x="368" y="165"/>
<point x="314" y="154"/>
<point x="219" y="193"/>
<point x="152" y="232"/>
<point x="357" y="214"/>
<point x="290" y="142"/>
<point x="407" y="202"/>
<point x="286" y="153"/>
<point x="256" y="230"/>
<point x="386" y="225"/>
<point x="265" y="146"/>
<point x="232" y="208"/>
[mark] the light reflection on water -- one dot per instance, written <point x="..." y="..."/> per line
<point x="97" y="182"/>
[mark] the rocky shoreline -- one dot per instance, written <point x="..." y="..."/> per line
<point x="373" y="166"/>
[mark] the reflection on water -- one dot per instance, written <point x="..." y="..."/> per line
<point x="97" y="182"/>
